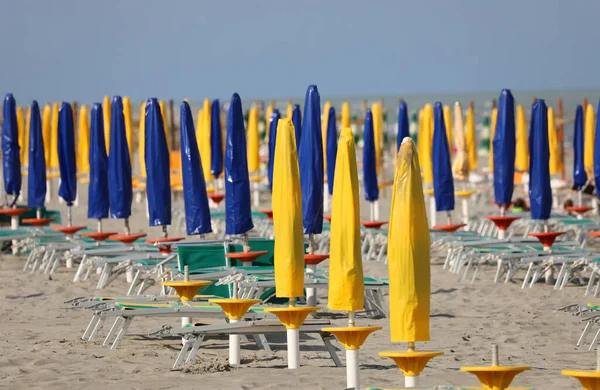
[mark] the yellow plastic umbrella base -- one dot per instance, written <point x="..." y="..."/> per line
<point x="590" y="380"/>
<point x="235" y="308"/>
<point x="352" y="337"/>
<point x="411" y="363"/>
<point x="495" y="377"/>
<point x="186" y="289"/>
<point x="292" y="317"/>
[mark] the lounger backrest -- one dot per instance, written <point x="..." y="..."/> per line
<point x="258" y="244"/>
<point x="198" y="257"/>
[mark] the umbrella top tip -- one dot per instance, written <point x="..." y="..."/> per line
<point x="406" y="140"/>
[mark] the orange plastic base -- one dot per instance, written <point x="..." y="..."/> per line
<point x="98" y="236"/>
<point x="164" y="249"/>
<point x="68" y="230"/>
<point x="127" y="238"/>
<point x="37" y="222"/>
<point x="502" y="223"/>
<point x="246" y="257"/>
<point x="217" y="198"/>
<point x="327" y="218"/>
<point x="547" y="238"/>
<point x="373" y="224"/>
<point x="13" y="211"/>
<point x="449" y="228"/>
<point x="315" y="258"/>
<point x="578" y="209"/>
<point x="268" y="213"/>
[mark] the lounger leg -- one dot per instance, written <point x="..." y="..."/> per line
<point x="588" y="290"/>
<point x="527" y="275"/>
<point x="447" y="261"/>
<point x="331" y="349"/>
<point x="90" y="328"/>
<point x="262" y="342"/>
<point x="561" y="275"/>
<point x="498" y="271"/>
<point x="467" y="269"/>
<point x="113" y="330"/>
<point x="80" y="269"/>
<point x="133" y="282"/>
<point x="195" y="347"/>
<point x="187" y="343"/>
<point x="121" y="333"/>
<point x="536" y="275"/>
<point x="594" y="341"/>
<point x="584" y="334"/>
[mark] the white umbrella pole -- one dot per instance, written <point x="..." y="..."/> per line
<point x="186" y="276"/>
<point x="411" y="382"/>
<point x="502" y="233"/>
<point x="325" y="198"/>
<point x="376" y="210"/>
<point x="293" y="345"/>
<point x="311" y="293"/>
<point x="256" y="194"/>
<point x="352" y="369"/>
<point x="432" y="211"/>
<point x="372" y="210"/>
<point x="465" y="210"/>
<point x="234" y="339"/>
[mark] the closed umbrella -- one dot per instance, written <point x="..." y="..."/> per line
<point x="98" y="194"/>
<point x="83" y="142"/>
<point x="273" y="121"/>
<point x="66" y="157"/>
<point x="11" y="162"/>
<point x="216" y="140"/>
<point x="331" y="149"/>
<point x="370" y="166"/>
<point x="579" y="174"/>
<point x="36" y="175"/>
<point x="522" y="149"/>
<point x="403" y="130"/>
<point x="297" y="121"/>
<point x="443" y="183"/>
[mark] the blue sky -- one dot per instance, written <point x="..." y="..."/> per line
<point x="82" y="50"/>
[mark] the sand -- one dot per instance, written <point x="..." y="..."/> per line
<point x="41" y="346"/>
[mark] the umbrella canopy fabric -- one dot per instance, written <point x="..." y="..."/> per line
<point x="273" y="123"/>
<point x="158" y="169"/>
<point x="588" y="140"/>
<point x="36" y="174"/>
<point x="197" y="213"/>
<point x="287" y="215"/>
<point x="106" y="110"/>
<point x="553" y="142"/>
<point x="471" y="138"/>
<point x="403" y="130"/>
<point x="83" y="141"/>
<point x="579" y="174"/>
<point x="504" y="149"/>
<point x="425" y="142"/>
<point x="11" y="155"/>
<point x="370" y="160"/>
<point x="66" y="155"/>
<point x="460" y="167"/>
<point x="408" y="251"/>
<point x="540" y="192"/>
<point x="142" y="141"/>
<point x="216" y="140"/>
<point x="331" y="149"/>
<point x="119" y="164"/>
<point x="443" y="183"/>
<point x="522" y="149"/>
<point x="310" y="153"/>
<point x="253" y="141"/>
<point x="346" y="117"/>
<point x="238" y="213"/>
<point x="346" y="283"/>
<point x="297" y="120"/>
<point x="98" y="194"/>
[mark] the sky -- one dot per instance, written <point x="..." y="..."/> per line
<point x="82" y="50"/>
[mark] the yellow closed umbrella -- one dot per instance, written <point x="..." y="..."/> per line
<point x="268" y="112"/>
<point x="253" y="141"/>
<point x="492" y="132"/>
<point x="460" y="167"/>
<point x="425" y="143"/>
<point x="588" y="140"/>
<point x="448" y="123"/>
<point x="290" y="109"/>
<point x="553" y="143"/>
<point x="522" y="146"/>
<point x="142" y="140"/>
<point x="83" y="146"/>
<point x="471" y="138"/>
<point x="21" y="131"/>
<point x="324" y="120"/>
<point x="25" y="145"/>
<point x="346" y="117"/>
<point x="128" y="128"/>
<point x="378" y="131"/>
<point x="163" y="113"/>
<point x="54" y="138"/>
<point x="46" y="132"/>
<point x="205" y="151"/>
<point x="106" y="114"/>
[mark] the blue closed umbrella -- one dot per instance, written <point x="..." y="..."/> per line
<point x="197" y="214"/>
<point x="66" y="154"/>
<point x="11" y="161"/>
<point x="36" y="172"/>
<point x="119" y="164"/>
<point x="275" y="116"/>
<point x="297" y="121"/>
<point x="216" y="140"/>
<point x="310" y="158"/>
<point x="504" y="149"/>
<point x="158" y="169"/>
<point x="403" y="127"/>
<point x="98" y="189"/>
<point x="540" y="192"/>
<point x="370" y="160"/>
<point x="331" y="148"/>
<point x="443" y="184"/>
<point x="579" y="175"/>
<point x="238" y="213"/>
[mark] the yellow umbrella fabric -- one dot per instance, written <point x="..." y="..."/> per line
<point x="425" y="143"/>
<point x="460" y="167"/>
<point x="142" y="139"/>
<point x="522" y="146"/>
<point x="46" y="132"/>
<point x="492" y="132"/>
<point x="553" y="143"/>
<point x="205" y="152"/>
<point x="287" y="214"/>
<point x="471" y="139"/>
<point x="290" y="109"/>
<point x="408" y="251"/>
<point x="199" y="129"/>
<point x="21" y="131"/>
<point x="346" y="283"/>
<point x="588" y="137"/>
<point x="128" y="128"/>
<point x="346" y="115"/>
<point x="376" y="109"/>
<point x="324" y="120"/>
<point x="253" y="141"/>
<point x="448" y="123"/>
<point x="54" y="138"/>
<point x="106" y="115"/>
<point x="83" y="145"/>
<point x="163" y="114"/>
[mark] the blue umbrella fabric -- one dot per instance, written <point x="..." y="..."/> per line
<point x="443" y="183"/>
<point x="297" y="121"/>
<point x="579" y="175"/>
<point x="540" y="192"/>
<point x="403" y="126"/>
<point x="36" y="172"/>
<point x="331" y="148"/>
<point x="216" y="140"/>
<point x="197" y="213"/>
<point x="66" y="154"/>
<point x="504" y="143"/>
<point x="11" y="159"/>
<point x="98" y="189"/>
<point x="238" y="213"/>
<point x="275" y="116"/>
<point x="370" y="160"/>
<point x="310" y="158"/>
<point x="119" y="164"/>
